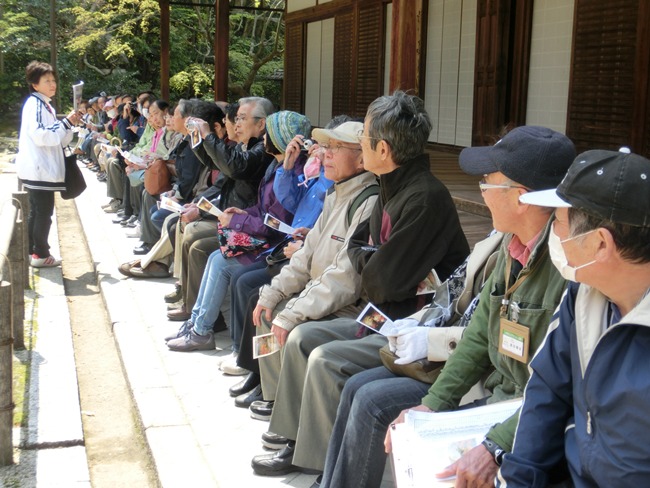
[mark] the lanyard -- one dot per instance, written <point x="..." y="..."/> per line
<point x="505" y="302"/>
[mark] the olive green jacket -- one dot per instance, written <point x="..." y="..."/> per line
<point x="477" y="353"/>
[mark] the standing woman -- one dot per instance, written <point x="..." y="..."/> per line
<point x="40" y="163"/>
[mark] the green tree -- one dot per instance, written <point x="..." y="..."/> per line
<point x="114" y="46"/>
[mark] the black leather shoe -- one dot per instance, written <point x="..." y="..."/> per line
<point x="246" y="385"/>
<point x="143" y="249"/>
<point x="261" y="410"/>
<point x="276" y="464"/>
<point x="274" y="441"/>
<point x="245" y="399"/>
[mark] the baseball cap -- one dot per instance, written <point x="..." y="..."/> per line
<point x="611" y="185"/>
<point x="535" y="157"/>
<point x="346" y="132"/>
<point x="109" y="103"/>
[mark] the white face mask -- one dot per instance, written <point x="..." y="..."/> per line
<point x="145" y="113"/>
<point x="111" y="113"/>
<point x="558" y="257"/>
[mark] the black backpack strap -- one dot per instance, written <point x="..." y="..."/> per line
<point x="366" y="193"/>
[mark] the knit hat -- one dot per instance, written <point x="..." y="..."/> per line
<point x="609" y="185"/>
<point x="284" y="126"/>
<point x="536" y="157"/>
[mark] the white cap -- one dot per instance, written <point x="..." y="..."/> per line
<point x="346" y="132"/>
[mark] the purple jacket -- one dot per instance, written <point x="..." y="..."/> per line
<point x="252" y="222"/>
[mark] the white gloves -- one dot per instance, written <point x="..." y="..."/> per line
<point x="393" y="329"/>
<point x="410" y="344"/>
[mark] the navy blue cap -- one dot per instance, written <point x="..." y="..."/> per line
<point x="535" y="157"/>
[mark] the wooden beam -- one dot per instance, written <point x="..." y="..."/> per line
<point x="408" y="43"/>
<point x="221" y="40"/>
<point x="164" y="49"/>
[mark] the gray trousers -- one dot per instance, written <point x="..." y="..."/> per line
<point x="150" y="234"/>
<point x="115" y="179"/>
<point x="199" y="241"/>
<point x="318" y="358"/>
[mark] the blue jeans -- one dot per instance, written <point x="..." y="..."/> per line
<point x="242" y="282"/>
<point x="370" y="401"/>
<point x="158" y="216"/>
<point x="214" y="286"/>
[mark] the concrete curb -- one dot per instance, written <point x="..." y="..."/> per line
<point x="54" y="434"/>
<point x="171" y="442"/>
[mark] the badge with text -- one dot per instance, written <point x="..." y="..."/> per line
<point x="514" y="340"/>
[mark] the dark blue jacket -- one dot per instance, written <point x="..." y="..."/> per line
<point x="588" y="398"/>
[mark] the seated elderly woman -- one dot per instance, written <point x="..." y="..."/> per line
<point x="240" y="226"/>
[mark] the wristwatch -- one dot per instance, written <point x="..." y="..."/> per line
<point x="495" y="449"/>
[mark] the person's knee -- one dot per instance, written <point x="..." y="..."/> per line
<point x="368" y="400"/>
<point x="320" y="360"/>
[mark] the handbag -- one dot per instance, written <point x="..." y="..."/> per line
<point x="234" y="243"/>
<point x="276" y="256"/>
<point x="422" y="370"/>
<point x="157" y="179"/>
<point x="74" y="180"/>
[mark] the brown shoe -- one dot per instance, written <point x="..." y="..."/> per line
<point x="153" y="270"/>
<point x="179" y="315"/>
<point x="125" y="268"/>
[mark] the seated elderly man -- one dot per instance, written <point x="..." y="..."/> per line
<point x="413" y="228"/>
<point x="587" y="399"/>
<point x="242" y="167"/>
<point x="319" y="281"/>
<point x="526" y="158"/>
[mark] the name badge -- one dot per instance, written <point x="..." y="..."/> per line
<point x="514" y="340"/>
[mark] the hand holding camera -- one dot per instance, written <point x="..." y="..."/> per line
<point x="297" y="144"/>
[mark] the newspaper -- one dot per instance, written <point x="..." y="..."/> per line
<point x="426" y="443"/>
<point x="77" y="92"/>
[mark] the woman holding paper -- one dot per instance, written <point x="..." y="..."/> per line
<point x="40" y="164"/>
<point x="196" y="333"/>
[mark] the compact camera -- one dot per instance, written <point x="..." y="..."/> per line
<point x="307" y="144"/>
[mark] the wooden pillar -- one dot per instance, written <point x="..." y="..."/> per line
<point x="17" y="261"/>
<point x="408" y="45"/>
<point x="164" y="49"/>
<point x="6" y="375"/>
<point x="21" y="201"/>
<point x="503" y="41"/>
<point x="221" y="40"/>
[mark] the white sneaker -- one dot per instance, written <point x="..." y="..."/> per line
<point x="134" y="231"/>
<point x="48" y="262"/>
<point x="229" y="366"/>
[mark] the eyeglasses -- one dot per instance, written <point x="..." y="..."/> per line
<point x="244" y="118"/>
<point x="361" y="136"/>
<point x="484" y="186"/>
<point x="335" y="148"/>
